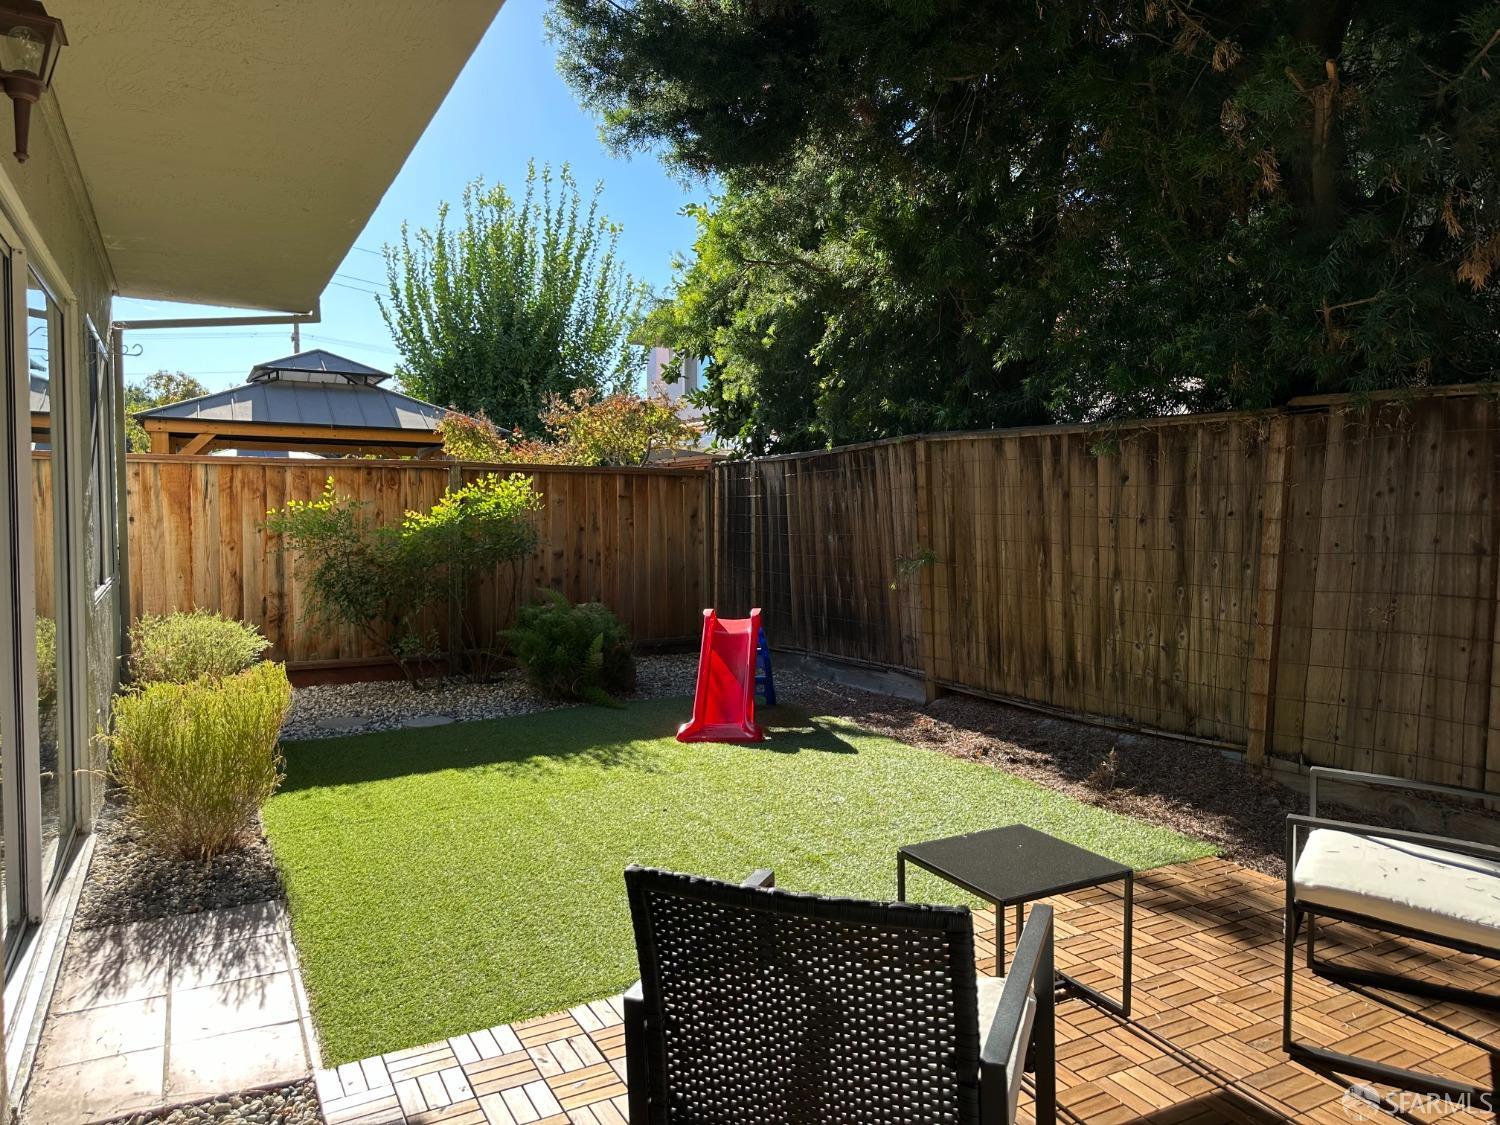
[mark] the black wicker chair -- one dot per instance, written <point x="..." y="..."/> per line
<point x="759" y="1005"/>
<point x="1438" y="889"/>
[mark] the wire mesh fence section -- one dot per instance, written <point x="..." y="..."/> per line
<point x="823" y="545"/>
<point x="1316" y="584"/>
<point x="1386" y="648"/>
<point x="735" y="506"/>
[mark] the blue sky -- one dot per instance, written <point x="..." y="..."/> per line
<point x="508" y="106"/>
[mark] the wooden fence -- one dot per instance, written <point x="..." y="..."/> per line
<point x="634" y="539"/>
<point x="1315" y="584"/>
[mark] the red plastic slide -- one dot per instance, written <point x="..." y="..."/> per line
<point x="724" y="706"/>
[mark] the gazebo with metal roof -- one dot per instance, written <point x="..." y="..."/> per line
<point x="311" y="402"/>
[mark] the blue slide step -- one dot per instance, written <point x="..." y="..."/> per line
<point x="765" y="683"/>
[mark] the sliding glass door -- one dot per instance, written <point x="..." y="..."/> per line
<point x="17" y="451"/>
<point x="37" y="744"/>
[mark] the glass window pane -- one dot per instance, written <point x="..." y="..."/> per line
<point x="45" y="337"/>
<point x="100" y="503"/>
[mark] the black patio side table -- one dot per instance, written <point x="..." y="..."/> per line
<point x="1015" y="865"/>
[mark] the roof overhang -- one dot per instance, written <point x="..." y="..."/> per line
<point x="233" y="151"/>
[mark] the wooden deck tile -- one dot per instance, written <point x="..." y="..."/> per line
<point x="1204" y="1045"/>
<point x="584" y="1087"/>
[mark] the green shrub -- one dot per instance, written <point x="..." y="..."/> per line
<point x="197" y="760"/>
<point x="46" y="664"/>
<point x="391" y="580"/>
<point x="573" y="651"/>
<point x="180" y="647"/>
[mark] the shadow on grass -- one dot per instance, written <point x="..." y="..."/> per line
<point x="627" y="738"/>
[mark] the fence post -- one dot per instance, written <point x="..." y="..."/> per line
<point x="1260" y="717"/>
<point x="1491" y="777"/>
<point x="1491" y="780"/>
<point x="930" y="686"/>
<point x="455" y="626"/>
<point x="756" y="508"/>
<point x="713" y="539"/>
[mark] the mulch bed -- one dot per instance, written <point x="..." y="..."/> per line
<point x="1188" y="787"/>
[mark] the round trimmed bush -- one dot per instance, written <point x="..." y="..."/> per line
<point x="178" y="648"/>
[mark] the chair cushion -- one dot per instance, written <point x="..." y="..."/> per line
<point x="1426" y="889"/>
<point x="990" y="989"/>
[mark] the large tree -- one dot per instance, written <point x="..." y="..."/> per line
<point x="583" y="429"/>
<point x="942" y="213"/>
<point x="525" y="299"/>
<point x="160" y="388"/>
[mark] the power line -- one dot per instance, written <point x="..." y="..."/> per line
<point x="352" y="343"/>
<point x="197" y="374"/>
<point x="356" y="288"/>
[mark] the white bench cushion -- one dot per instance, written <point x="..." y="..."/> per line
<point x="990" y="989"/>
<point x="1421" y="888"/>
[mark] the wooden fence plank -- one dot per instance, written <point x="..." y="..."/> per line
<point x="1260" y="713"/>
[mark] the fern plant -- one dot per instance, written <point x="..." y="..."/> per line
<point x="567" y="651"/>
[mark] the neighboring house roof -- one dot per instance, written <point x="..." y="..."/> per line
<point x="343" y="393"/>
<point x="284" y="454"/>
<point x="686" y="458"/>
<point x="41" y="395"/>
<point x="316" y="365"/>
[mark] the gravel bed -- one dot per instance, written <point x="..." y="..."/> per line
<point x="128" y="882"/>
<point x="333" y="710"/>
<point x="296" y="1104"/>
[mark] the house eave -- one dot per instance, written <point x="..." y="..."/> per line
<point x="231" y="158"/>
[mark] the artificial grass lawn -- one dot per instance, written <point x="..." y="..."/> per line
<point x="453" y="878"/>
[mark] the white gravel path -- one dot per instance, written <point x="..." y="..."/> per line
<point x="332" y="710"/>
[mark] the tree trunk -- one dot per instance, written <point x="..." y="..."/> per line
<point x="1322" y="26"/>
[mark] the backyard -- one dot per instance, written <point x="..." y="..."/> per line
<point x="864" y="563"/>
<point x="413" y="887"/>
<point x="423" y="902"/>
<point x="454" y="878"/>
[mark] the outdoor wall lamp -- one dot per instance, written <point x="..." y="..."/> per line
<point x="29" y="43"/>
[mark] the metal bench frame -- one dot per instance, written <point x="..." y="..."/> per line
<point x="1323" y="1059"/>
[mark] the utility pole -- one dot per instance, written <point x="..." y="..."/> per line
<point x="296" y="337"/>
